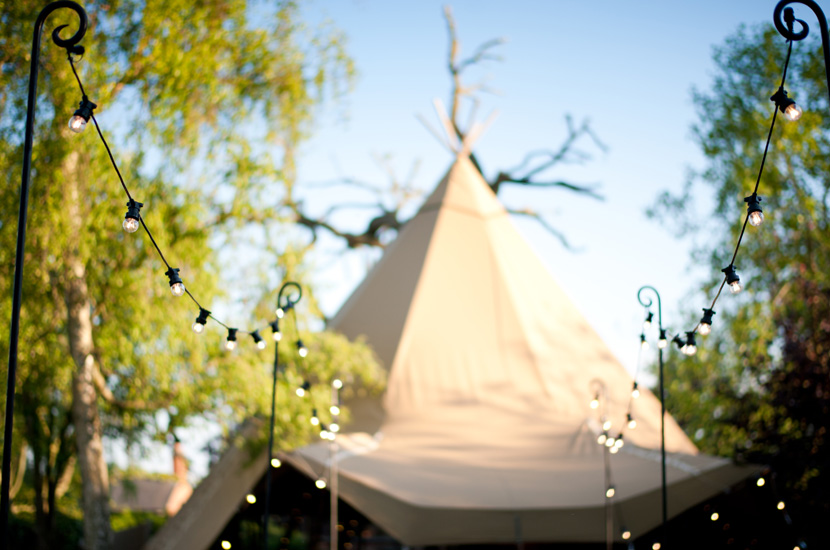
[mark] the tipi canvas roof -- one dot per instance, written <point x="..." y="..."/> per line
<point x="485" y="433"/>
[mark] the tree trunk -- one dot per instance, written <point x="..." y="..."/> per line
<point x="85" y="415"/>
<point x="88" y="433"/>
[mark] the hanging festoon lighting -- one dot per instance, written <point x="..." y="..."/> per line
<point x="643" y="342"/>
<point x="275" y="328"/>
<point x="315" y="420"/>
<point x="786" y="105"/>
<point x="176" y="284"/>
<point x="753" y="210"/>
<point x="649" y="318"/>
<point x="131" y="221"/>
<point x="230" y="341"/>
<point x="679" y="342"/>
<point x="732" y="279"/>
<point x="631" y="422"/>
<point x="663" y="341"/>
<point x="302" y="351"/>
<point x="690" y="347"/>
<point x="705" y="325"/>
<point x="303" y="389"/>
<point x="610" y="492"/>
<point x="635" y="391"/>
<point x="201" y="320"/>
<point x="258" y="341"/>
<point x="78" y="121"/>
<point x="595" y="401"/>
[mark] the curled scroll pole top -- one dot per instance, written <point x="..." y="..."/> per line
<point x="71" y="43"/>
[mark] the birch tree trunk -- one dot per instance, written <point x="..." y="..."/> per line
<point x="85" y="415"/>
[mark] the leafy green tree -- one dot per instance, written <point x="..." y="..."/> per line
<point x="204" y="103"/>
<point x="758" y="388"/>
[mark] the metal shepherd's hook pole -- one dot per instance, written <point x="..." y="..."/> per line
<point x="71" y="46"/>
<point x="647" y="302"/>
<point x="785" y="27"/>
<point x="285" y="303"/>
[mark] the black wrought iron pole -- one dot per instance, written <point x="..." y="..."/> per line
<point x="284" y="303"/>
<point x="71" y="46"/>
<point x="663" y="486"/>
<point x="785" y="27"/>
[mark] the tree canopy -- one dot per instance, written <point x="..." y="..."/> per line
<point x="204" y="104"/>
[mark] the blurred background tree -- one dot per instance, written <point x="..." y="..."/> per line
<point x="204" y="104"/>
<point x="759" y="388"/>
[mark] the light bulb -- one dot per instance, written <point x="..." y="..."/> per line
<point x="635" y="391"/>
<point x="631" y="422"/>
<point x="761" y="481"/>
<point x="302" y="352"/>
<point x="732" y="279"/>
<point x="619" y="442"/>
<point x="626" y="534"/>
<point x="704" y="328"/>
<point x="655" y="546"/>
<point x="647" y="322"/>
<point x="595" y="402"/>
<point x="714" y="516"/>
<point x="610" y="492"/>
<point x="793" y="112"/>
<point x="606" y="425"/>
<point x="610" y="442"/>
<point x="130" y="225"/>
<point x="614" y="450"/>
<point x="334" y="427"/>
<point x="260" y="344"/>
<point x="275" y="463"/>
<point x="300" y="392"/>
<point x="324" y="434"/>
<point x="643" y="342"/>
<point x="601" y="439"/>
<point x="250" y="498"/>
<point x="177" y="289"/>
<point x="320" y="483"/>
<point x="335" y="409"/>
<point x="662" y="343"/>
<point x="781" y="505"/>
<point x="77" y="124"/>
<point x="690" y="349"/>
<point x="315" y="421"/>
<point x="756" y="219"/>
<point x="280" y="313"/>
<point x="198" y="327"/>
<point x="230" y="341"/>
<point x="176" y="284"/>
<point x="226" y="545"/>
<point x="337" y="383"/>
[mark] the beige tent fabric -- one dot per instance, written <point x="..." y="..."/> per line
<point x="485" y="432"/>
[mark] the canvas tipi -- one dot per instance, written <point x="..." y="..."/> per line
<point x="485" y="433"/>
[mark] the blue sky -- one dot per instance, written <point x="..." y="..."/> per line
<point x="629" y="67"/>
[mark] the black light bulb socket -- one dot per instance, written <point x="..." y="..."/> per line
<point x="306" y="385"/>
<point x="707" y="316"/>
<point x="753" y="204"/>
<point x="649" y="317"/>
<point x="257" y="338"/>
<point x="678" y="341"/>
<point x="133" y="210"/>
<point x="781" y="100"/>
<point x="731" y="274"/>
<point x="628" y="417"/>
<point x="690" y="338"/>
<point x="663" y="334"/>
<point x="203" y="316"/>
<point x="642" y="337"/>
<point x="300" y="345"/>
<point x="173" y="276"/>
<point x="634" y="387"/>
<point x="314" y="413"/>
<point x="232" y="334"/>
<point x="275" y="325"/>
<point x="85" y="109"/>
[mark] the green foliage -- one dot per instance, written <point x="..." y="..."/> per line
<point x="203" y="103"/>
<point x="758" y="387"/>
